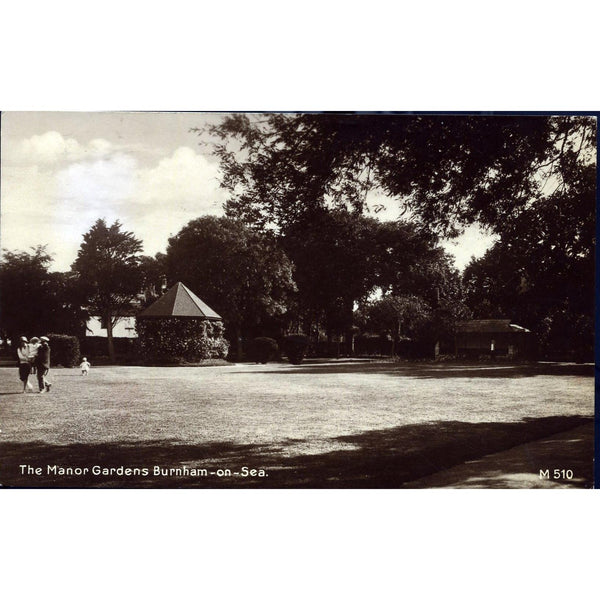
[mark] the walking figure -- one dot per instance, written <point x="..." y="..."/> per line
<point x="34" y="346"/>
<point x="42" y="363"/>
<point x="24" y="364"/>
<point x="85" y="366"/>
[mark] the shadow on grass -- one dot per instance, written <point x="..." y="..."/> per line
<point x="563" y="460"/>
<point x="388" y="458"/>
<point x="437" y="371"/>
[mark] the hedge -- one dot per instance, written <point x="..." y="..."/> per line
<point x="178" y="337"/>
<point x="263" y="349"/>
<point x="64" y="350"/>
<point x="295" y="347"/>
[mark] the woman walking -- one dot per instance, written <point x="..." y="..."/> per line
<point x="24" y="363"/>
<point x="34" y="344"/>
<point x="42" y="364"/>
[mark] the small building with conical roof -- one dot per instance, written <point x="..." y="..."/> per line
<point x="180" y="301"/>
<point x="180" y="326"/>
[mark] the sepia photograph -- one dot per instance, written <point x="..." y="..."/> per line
<point x="297" y="300"/>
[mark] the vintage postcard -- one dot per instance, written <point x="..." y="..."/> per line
<point x="297" y="300"/>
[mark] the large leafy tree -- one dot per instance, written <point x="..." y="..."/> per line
<point x="108" y="270"/>
<point x="24" y="297"/>
<point x="447" y="170"/>
<point x="529" y="179"/>
<point x="67" y="313"/>
<point x="540" y="272"/>
<point x="424" y="302"/>
<point x="242" y="274"/>
<point x="341" y="257"/>
<point x="35" y="301"/>
<point x="334" y="267"/>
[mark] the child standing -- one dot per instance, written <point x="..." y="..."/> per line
<point x="85" y="366"/>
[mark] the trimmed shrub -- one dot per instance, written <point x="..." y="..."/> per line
<point x="295" y="347"/>
<point x="172" y="337"/>
<point x="64" y="350"/>
<point x="263" y="349"/>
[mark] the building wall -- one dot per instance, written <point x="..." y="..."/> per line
<point x="479" y="342"/>
<point x="125" y="328"/>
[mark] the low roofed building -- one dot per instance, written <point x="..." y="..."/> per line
<point x="495" y="337"/>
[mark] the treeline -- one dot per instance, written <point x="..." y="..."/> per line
<point x="531" y="180"/>
<point x="297" y="251"/>
<point x="332" y="278"/>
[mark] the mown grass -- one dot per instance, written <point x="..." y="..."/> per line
<point x="321" y="424"/>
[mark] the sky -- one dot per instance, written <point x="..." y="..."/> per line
<point x="62" y="171"/>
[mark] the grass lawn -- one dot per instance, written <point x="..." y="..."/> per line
<point x="320" y="424"/>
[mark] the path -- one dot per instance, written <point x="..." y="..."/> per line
<point x="520" y="466"/>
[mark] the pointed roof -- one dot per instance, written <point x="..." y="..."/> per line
<point x="179" y="301"/>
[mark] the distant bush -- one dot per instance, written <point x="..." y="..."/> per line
<point x="175" y="337"/>
<point x="295" y="347"/>
<point x="263" y="349"/>
<point x="64" y="350"/>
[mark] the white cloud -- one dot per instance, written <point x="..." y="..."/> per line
<point x="98" y="182"/>
<point x="54" y="188"/>
<point x="181" y="187"/>
<point x="473" y="243"/>
<point x="185" y="179"/>
<point x="56" y="203"/>
<point x="52" y="147"/>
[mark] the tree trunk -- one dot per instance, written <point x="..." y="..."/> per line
<point x="238" y="342"/>
<point x="349" y="333"/>
<point x="109" y="334"/>
<point x="329" y="343"/>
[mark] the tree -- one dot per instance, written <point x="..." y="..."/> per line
<point x="425" y="309"/>
<point x="333" y="257"/>
<point x="341" y="257"/>
<point x="529" y="179"/>
<point x="447" y="170"/>
<point x="241" y="274"/>
<point x="540" y="272"/>
<point x="35" y="301"/>
<point x="154" y="277"/>
<point x="67" y="313"/>
<point x="108" y="270"/>
<point x="25" y="299"/>
<point x="398" y="316"/>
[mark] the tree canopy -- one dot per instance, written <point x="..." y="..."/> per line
<point x="25" y="300"/>
<point x="108" y="270"/>
<point x="340" y="258"/>
<point x="35" y="301"/>
<point x="241" y="274"/>
<point x="530" y="179"/>
<point x="540" y="273"/>
<point x="446" y="170"/>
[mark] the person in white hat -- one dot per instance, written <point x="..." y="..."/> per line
<point x="85" y="366"/>
<point x="24" y="363"/>
<point x="34" y="344"/>
<point x="42" y="363"/>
